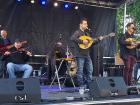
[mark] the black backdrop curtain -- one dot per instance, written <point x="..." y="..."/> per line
<point x="42" y="26"/>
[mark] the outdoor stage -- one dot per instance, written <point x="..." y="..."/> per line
<point x="53" y="96"/>
<point x="42" y="26"/>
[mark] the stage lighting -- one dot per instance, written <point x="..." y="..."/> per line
<point x="55" y="4"/>
<point x="76" y="7"/>
<point x="32" y="1"/>
<point x="43" y="2"/>
<point x="18" y="0"/>
<point x="66" y="5"/>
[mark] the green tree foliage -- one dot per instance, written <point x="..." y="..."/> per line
<point x="133" y="10"/>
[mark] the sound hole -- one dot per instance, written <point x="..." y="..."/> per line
<point x="20" y="85"/>
<point x="112" y="83"/>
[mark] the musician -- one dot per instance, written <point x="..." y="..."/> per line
<point x="82" y="55"/>
<point x="4" y="41"/>
<point x="128" y="55"/>
<point x="17" y="58"/>
<point x="57" y="53"/>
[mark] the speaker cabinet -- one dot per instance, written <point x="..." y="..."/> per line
<point x="20" y="90"/>
<point x="107" y="86"/>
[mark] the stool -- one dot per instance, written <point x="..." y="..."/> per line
<point x="19" y="74"/>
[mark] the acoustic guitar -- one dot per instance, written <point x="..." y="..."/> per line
<point x="91" y="40"/>
<point x="132" y="40"/>
<point x="3" y="49"/>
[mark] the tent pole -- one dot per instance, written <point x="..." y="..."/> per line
<point x="124" y="18"/>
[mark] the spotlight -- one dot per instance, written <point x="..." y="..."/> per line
<point x="32" y="1"/>
<point x="18" y="0"/>
<point x="43" y="2"/>
<point x="55" y="4"/>
<point x="76" y="7"/>
<point x="66" y="5"/>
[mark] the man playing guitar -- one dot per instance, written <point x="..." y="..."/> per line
<point x="128" y="52"/>
<point x="82" y="55"/>
<point x="4" y="41"/>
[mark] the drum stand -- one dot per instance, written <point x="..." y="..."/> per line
<point x="56" y="75"/>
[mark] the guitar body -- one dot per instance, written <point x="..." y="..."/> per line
<point x="91" y="41"/>
<point x="130" y="40"/>
<point x="84" y="37"/>
<point x="3" y="49"/>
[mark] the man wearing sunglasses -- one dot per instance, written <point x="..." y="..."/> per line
<point x="127" y="52"/>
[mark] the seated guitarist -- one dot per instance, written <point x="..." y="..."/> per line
<point x="127" y="54"/>
<point x="82" y="55"/>
<point x="3" y="42"/>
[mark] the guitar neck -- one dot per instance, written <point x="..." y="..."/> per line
<point x="106" y="36"/>
<point x="10" y="46"/>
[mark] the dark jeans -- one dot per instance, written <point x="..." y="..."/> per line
<point x="81" y="62"/>
<point x="129" y="63"/>
<point x="2" y="68"/>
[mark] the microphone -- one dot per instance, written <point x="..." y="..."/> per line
<point x="89" y="30"/>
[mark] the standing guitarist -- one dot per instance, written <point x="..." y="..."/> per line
<point x="3" y="42"/>
<point x="82" y="55"/>
<point x="128" y="52"/>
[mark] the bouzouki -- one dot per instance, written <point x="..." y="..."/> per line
<point x="132" y="40"/>
<point x="91" y="40"/>
<point x="3" y="49"/>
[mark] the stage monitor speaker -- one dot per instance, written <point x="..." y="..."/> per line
<point x="107" y="86"/>
<point x="20" y="90"/>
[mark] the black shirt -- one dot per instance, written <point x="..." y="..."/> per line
<point x="78" y="51"/>
<point x="17" y="57"/>
<point x="124" y="51"/>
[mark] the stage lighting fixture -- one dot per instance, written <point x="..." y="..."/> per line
<point x="43" y="2"/>
<point x="32" y="1"/>
<point x="18" y="0"/>
<point x="66" y="5"/>
<point x="76" y="7"/>
<point x="55" y="4"/>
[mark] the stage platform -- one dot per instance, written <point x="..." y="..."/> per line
<point x="53" y="96"/>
